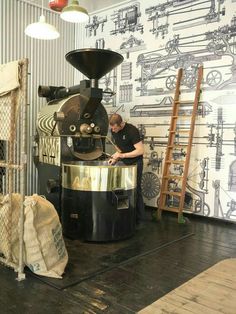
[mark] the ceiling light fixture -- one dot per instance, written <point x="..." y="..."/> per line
<point x="41" y="29"/>
<point x="74" y="13"/>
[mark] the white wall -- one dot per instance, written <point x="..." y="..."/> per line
<point x="156" y="38"/>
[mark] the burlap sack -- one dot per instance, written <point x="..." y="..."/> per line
<point x="9" y="218"/>
<point x="45" y="251"/>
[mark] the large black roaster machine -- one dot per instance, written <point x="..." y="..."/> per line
<point x="96" y="201"/>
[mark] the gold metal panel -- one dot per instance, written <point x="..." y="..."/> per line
<point x="98" y="176"/>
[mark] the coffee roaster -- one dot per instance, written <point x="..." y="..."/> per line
<point x="96" y="201"/>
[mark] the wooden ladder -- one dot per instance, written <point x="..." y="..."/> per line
<point x="175" y="148"/>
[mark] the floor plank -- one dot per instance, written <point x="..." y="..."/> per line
<point x="212" y="291"/>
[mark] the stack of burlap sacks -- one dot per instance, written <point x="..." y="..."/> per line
<point x="44" y="248"/>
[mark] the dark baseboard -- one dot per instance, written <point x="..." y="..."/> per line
<point x="193" y="216"/>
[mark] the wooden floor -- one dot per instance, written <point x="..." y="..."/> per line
<point x="213" y="291"/>
<point x="132" y="286"/>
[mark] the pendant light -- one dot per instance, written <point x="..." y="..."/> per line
<point x="74" y="13"/>
<point x="41" y="29"/>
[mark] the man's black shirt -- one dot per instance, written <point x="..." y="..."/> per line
<point x="125" y="140"/>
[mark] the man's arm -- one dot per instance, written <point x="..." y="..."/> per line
<point x="138" y="151"/>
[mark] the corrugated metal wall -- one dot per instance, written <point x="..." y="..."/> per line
<point x="47" y="65"/>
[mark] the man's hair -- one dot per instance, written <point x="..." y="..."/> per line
<point x="115" y="119"/>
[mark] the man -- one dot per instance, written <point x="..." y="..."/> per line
<point x="130" y="150"/>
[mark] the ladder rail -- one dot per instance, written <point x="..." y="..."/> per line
<point x="190" y="140"/>
<point x="169" y="143"/>
<point x="169" y="160"/>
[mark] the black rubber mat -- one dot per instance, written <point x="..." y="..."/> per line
<point x="86" y="260"/>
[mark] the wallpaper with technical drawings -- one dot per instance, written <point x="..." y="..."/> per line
<point x="157" y="38"/>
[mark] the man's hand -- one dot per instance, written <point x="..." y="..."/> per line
<point x="112" y="161"/>
<point x="116" y="157"/>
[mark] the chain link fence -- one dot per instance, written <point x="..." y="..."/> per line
<point x="13" y="104"/>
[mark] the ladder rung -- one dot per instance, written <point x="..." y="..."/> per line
<point x="184" y="102"/>
<point x="183" y="130"/>
<point x="176" y="161"/>
<point x="171" y="209"/>
<point x="184" y="115"/>
<point x="172" y="193"/>
<point x="178" y="146"/>
<point x="173" y="176"/>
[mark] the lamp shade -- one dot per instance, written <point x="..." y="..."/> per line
<point x="42" y="30"/>
<point x="74" y="13"/>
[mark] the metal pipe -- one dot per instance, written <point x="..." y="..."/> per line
<point x="54" y="92"/>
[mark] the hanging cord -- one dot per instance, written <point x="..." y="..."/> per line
<point x="42" y="7"/>
<point x="193" y="175"/>
<point x="109" y="140"/>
